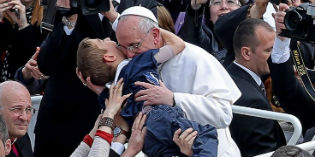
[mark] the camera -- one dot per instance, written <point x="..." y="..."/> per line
<point x="93" y="6"/>
<point x="300" y="23"/>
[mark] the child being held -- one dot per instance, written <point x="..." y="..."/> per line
<point x="103" y="62"/>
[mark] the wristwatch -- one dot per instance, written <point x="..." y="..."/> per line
<point x="118" y="131"/>
<point x="106" y="121"/>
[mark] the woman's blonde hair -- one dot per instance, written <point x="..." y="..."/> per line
<point x="165" y="18"/>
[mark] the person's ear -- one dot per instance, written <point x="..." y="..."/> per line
<point x="7" y="145"/>
<point x="156" y="35"/>
<point x="109" y="58"/>
<point x="246" y="53"/>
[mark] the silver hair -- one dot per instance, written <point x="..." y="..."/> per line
<point x="4" y="135"/>
<point x="145" y="24"/>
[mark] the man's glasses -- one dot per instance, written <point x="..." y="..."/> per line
<point x="20" y="110"/>
<point x="229" y="3"/>
<point x="133" y="46"/>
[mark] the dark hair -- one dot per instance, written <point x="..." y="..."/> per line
<point x="290" y="151"/>
<point x="4" y="135"/>
<point x="245" y="34"/>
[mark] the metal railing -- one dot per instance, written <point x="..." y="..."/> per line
<point x="36" y="99"/>
<point x="274" y="116"/>
<point x="307" y="146"/>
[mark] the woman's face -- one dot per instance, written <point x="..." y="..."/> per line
<point x="221" y="7"/>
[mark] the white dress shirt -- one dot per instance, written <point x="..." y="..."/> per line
<point x="251" y="73"/>
<point x="268" y="15"/>
<point x="281" y="50"/>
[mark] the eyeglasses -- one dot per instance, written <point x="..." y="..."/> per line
<point x="133" y="46"/>
<point x="19" y="110"/>
<point x="229" y="3"/>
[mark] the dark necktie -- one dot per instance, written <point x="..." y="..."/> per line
<point x="262" y="87"/>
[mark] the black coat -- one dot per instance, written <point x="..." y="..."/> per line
<point x="150" y="4"/>
<point x="292" y="96"/>
<point x="21" y="45"/>
<point x="68" y="109"/>
<point x="23" y="146"/>
<point x="197" y="32"/>
<point x="253" y="135"/>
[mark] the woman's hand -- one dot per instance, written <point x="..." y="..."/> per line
<point x="115" y="100"/>
<point x="4" y="6"/>
<point x="18" y="15"/>
<point x="136" y="139"/>
<point x="31" y="70"/>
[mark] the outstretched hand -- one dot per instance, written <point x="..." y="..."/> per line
<point x="185" y="140"/>
<point x="31" y="70"/>
<point x="116" y="99"/>
<point x="154" y="95"/>
<point x="136" y="139"/>
<point x="279" y="17"/>
<point x="259" y="8"/>
<point x="196" y="4"/>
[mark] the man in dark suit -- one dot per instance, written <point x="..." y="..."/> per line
<point x="68" y="109"/>
<point x="253" y="42"/>
<point x="16" y="108"/>
<point x="291" y="94"/>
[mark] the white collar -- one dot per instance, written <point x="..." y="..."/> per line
<point x="119" y="68"/>
<point x="251" y="73"/>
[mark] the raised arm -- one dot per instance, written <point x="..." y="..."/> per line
<point x="173" y="45"/>
<point x="173" y="41"/>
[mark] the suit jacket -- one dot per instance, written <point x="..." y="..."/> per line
<point x="23" y="146"/>
<point x="253" y="135"/>
<point x="292" y="96"/>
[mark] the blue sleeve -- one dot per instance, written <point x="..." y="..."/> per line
<point x="141" y="68"/>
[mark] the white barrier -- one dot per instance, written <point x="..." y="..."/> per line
<point x="36" y="99"/>
<point x="35" y="104"/>
<point x="307" y="146"/>
<point x="236" y="109"/>
<point x="274" y="116"/>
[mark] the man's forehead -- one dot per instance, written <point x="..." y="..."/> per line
<point x="129" y="22"/>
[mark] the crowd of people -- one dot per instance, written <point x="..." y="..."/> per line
<point x="159" y="75"/>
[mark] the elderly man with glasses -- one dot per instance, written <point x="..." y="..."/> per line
<point x="16" y="108"/>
